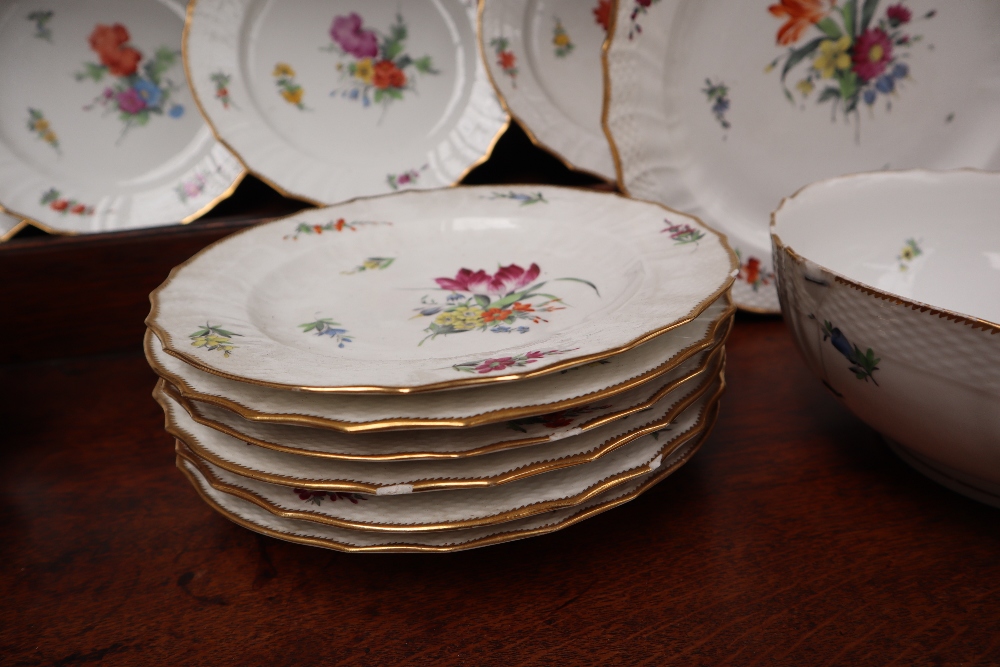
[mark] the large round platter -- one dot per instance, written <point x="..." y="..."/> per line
<point x="332" y="100"/>
<point x="544" y="58"/>
<point x="439" y="289"/>
<point x="503" y="402"/>
<point x="424" y="444"/>
<point x="238" y="506"/>
<point x="379" y="478"/>
<point x="471" y="508"/>
<point x="721" y="109"/>
<point x="98" y="129"/>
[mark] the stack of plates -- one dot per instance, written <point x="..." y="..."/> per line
<point x="443" y="369"/>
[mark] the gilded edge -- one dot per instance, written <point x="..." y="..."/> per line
<point x="497" y="538"/>
<point x="949" y="315"/>
<point x="191" y="408"/>
<point x="188" y="19"/>
<point x="480" y="37"/>
<point x="438" y="483"/>
<point x="721" y="292"/>
<point x="188" y="392"/>
<point x="706" y="419"/>
<point x="13" y="231"/>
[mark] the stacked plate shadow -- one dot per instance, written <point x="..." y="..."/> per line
<point x="444" y="369"/>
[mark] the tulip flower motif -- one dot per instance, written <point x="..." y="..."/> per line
<point x="492" y="301"/>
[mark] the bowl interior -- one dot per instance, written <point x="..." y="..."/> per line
<point x="932" y="237"/>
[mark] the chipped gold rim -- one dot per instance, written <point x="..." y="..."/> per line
<point x="711" y="359"/>
<point x="912" y="304"/>
<point x="523" y="512"/>
<point x="722" y="292"/>
<point x="438" y="483"/>
<point x="188" y="19"/>
<point x="294" y="419"/>
<point x="532" y="137"/>
<point x="496" y="538"/>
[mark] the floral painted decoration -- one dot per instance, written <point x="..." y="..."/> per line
<point x="483" y="366"/>
<point x="863" y="364"/>
<point x="853" y="56"/>
<point x="718" y="95"/>
<point x="506" y="60"/>
<point x="377" y="70"/>
<point x="338" y="225"/>
<point x="214" y="338"/>
<point x="682" y="234"/>
<point x="371" y="264"/>
<point x="40" y="126"/>
<point x="317" y="497"/>
<point x="192" y="187"/>
<point x="135" y="96"/>
<point x="327" y="327"/>
<point x="602" y="14"/>
<point x="525" y="198"/>
<point x="751" y="273"/>
<point x="54" y="199"/>
<point x="41" y="20"/>
<point x="640" y="8"/>
<point x="561" y="41"/>
<point x="290" y="91"/>
<point x="479" y="300"/>
<point x="221" y="81"/>
<point x="554" y="420"/>
<point x="409" y="177"/>
<point x="911" y="250"/>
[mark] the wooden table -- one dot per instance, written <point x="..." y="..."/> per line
<point x="793" y="538"/>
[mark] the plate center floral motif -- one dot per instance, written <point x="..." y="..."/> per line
<point x="375" y="66"/>
<point x="854" y="54"/>
<point x="507" y="301"/>
<point x="135" y="94"/>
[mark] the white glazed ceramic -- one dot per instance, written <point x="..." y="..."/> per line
<point x="889" y="282"/>
<point x="332" y="100"/>
<point x="446" y="443"/>
<point x="98" y="130"/>
<point x="438" y="289"/>
<point x="245" y="510"/>
<point x="544" y="58"/>
<point x="10" y="225"/>
<point x="705" y="118"/>
<point x="471" y="508"/>
<point x="393" y="477"/>
<point x="451" y="409"/>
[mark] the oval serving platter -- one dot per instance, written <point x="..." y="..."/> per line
<point x="98" y="129"/>
<point x="380" y="478"/>
<point x="439" y="289"/>
<point x="332" y="100"/>
<point x="453" y="409"/>
<point x="470" y="508"/>
<point x="239" y="507"/>
<point x="797" y="91"/>
<point x="544" y="59"/>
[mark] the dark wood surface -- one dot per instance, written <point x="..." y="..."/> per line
<point x="793" y="538"/>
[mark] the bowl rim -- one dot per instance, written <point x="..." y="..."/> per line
<point x="944" y="313"/>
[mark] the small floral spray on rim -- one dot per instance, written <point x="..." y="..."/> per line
<point x="38" y="124"/>
<point x="483" y="366"/>
<point x="327" y="327"/>
<point x="505" y="58"/>
<point x="290" y="91"/>
<point x="214" y="338"/>
<point x="718" y="95"/>
<point x="561" y="41"/>
<point x="911" y="250"/>
<point x="682" y="234"/>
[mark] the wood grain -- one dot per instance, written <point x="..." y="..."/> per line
<point x="793" y="538"/>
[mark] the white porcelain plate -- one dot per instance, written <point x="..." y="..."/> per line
<point x="438" y="289"/>
<point x="544" y="57"/>
<point x="332" y="100"/>
<point x="10" y="225"/>
<point x="721" y="109"/>
<point x="98" y="130"/>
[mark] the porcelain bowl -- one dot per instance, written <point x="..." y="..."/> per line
<point x="890" y="283"/>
